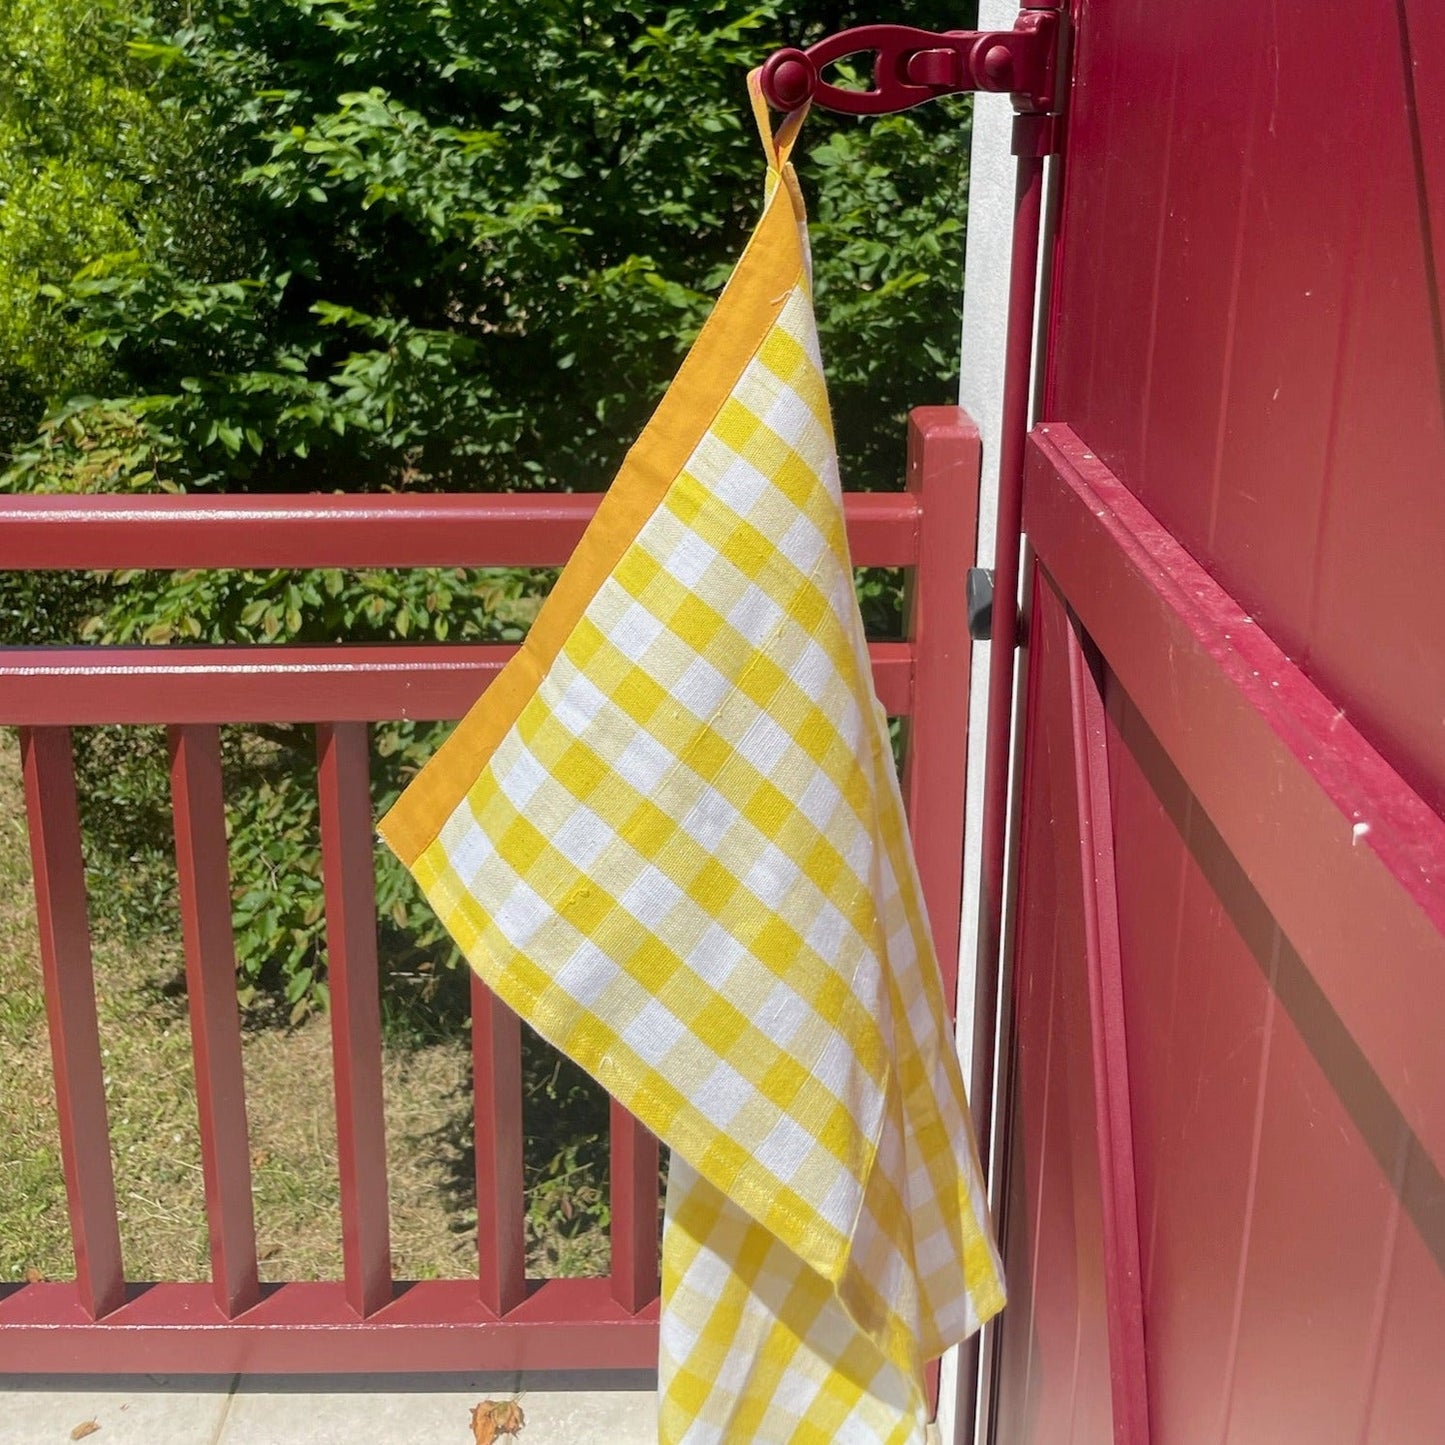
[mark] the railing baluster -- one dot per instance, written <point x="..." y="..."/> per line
<point x="634" y="1211"/>
<point x="59" y="867"/>
<point x="497" y="1090"/>
<point x="346" y="849"/>
<point x="204" y="874"/>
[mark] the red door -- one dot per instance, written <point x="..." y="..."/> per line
<point x="1225" y="1206"/>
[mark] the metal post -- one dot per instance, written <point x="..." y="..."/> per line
<point x="1032" y="141"/>
<point x="1031" y="138"/>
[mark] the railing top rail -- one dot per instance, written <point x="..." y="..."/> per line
<point x="340" y="682"/>
<point x="175" y="533"/>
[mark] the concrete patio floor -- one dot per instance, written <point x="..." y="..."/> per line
<point x="561" y="1408"/>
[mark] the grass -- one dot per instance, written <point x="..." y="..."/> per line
<point x="155" y="1141"/>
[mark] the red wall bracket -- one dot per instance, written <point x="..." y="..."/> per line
<point x="917" y="65"/>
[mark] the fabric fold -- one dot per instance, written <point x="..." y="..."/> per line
<point x="670" y="836"/>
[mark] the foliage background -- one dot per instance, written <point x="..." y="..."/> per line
<point x="280" y="245"/>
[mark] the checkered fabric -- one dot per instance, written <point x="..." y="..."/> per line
<point x="671" y="837"/>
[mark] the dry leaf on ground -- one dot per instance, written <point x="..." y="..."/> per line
<point x="86" y="1427"/>
<point x="493" y="1418"/>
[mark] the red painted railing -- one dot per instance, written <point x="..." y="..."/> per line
<point x="368" y="1320"/>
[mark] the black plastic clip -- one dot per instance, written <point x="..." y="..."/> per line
<point x="978" y="589"/>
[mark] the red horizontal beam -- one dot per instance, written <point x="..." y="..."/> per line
<point x="1347" y="857"/>
<point x="89" y="686"/>
<point x="318" y="530"/>
<point x="305" y="1328"/>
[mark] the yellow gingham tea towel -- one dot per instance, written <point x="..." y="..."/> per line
<point x="670" y="836"/>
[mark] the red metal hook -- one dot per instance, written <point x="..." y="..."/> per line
<point x="916" y="65"/>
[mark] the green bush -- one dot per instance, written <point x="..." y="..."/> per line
<point x="92" y="164"/>
<point x="384" y="244"/>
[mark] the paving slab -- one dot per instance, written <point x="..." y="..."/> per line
<point x="154" y="1410"/>
<point x="560" y="1409"/>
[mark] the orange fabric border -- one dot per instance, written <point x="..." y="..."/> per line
<point x="764" y="278"/>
